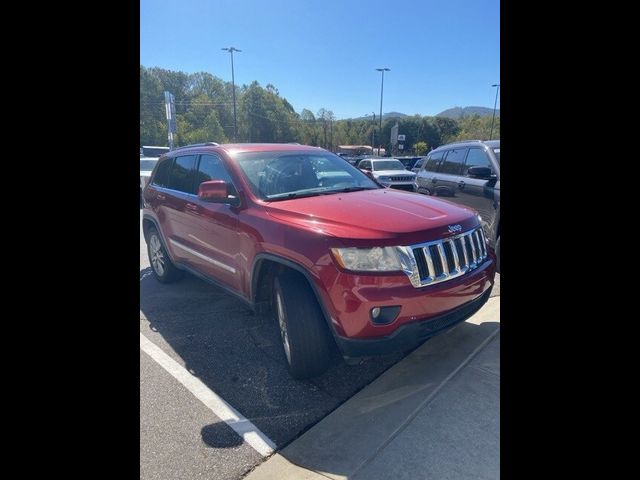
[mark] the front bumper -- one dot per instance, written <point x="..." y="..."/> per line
<point x="407" y="186"/>
<point x="410" y="335"/>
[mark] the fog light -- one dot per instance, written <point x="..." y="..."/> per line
<point x="384" y="315"/>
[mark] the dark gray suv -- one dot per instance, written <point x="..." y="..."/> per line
<point x="467" y="173"/>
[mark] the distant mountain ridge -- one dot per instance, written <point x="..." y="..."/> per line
<point x="457" y="112"/>
<point x="384" y="116"/>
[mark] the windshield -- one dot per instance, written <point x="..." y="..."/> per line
<point x="283" y="175"/>
<point x="148" y="164"/>
<point x="388" y="165"/>
<point x="497" y="152"/>
<point x="154" y="151"/>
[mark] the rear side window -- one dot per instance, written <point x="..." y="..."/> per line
<point x="181" y="177"/>
<point x="454" y="161"/>
<point x="477" y="158"/>
<point x="161" y="177"/>
<point x="432" y="162"/>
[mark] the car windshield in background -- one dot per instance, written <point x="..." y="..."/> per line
<point x="388" y="165"/>
<point x="147" y="165"/>
<point x="154" y="151"/>
<point x="284" y="175"/>
<point x="497" y="152"/>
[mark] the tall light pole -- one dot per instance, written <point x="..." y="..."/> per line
<point x="381" y="92"/>
<point x="373" y="132"/>
<point x="494" y="108"/>
<point x="233" y="84"/>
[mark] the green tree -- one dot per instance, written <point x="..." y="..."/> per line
<point x="153" y="129"/>
<point x="420" y="148"/>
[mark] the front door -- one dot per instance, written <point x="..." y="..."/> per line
<point x="478" y="193"/>
<point x="213" y="240"/>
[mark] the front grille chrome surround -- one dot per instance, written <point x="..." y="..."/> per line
<point x="432" y="263"/>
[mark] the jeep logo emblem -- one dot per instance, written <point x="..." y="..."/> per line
<point x="455" y="228"/>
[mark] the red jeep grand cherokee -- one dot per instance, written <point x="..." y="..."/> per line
<point x="298" y="231"/>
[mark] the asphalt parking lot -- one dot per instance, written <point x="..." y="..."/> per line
<point x="214" y="338"/>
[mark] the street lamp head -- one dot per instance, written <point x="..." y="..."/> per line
<point x="495" y="85"/>
<point x="383" y="69"/>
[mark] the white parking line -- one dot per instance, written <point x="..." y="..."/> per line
<point x="243" y="427"/>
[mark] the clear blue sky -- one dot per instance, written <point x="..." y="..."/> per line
<point x="323" y="53"/>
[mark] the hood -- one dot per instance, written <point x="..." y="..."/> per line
<point x="375" y="214"/>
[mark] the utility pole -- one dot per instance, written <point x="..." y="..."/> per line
<point x="233" y="84"/>
<point x="494" y="109"/>
<point x="381" y="93"/>
<point x="373" y="132"/>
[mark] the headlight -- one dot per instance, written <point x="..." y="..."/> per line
<point x="377" y="259"/>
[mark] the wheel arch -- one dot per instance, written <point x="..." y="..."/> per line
<point x="147" y="222"/>
<point x="267" y="264"/>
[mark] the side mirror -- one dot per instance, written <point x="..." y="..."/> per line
<point x="480" y="172"/>
<point x="214" y="191"/>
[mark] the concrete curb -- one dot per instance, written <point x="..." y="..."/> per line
<point x="352" y="435"/>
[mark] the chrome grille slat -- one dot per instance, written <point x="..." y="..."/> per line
<point x="430" y="267"/>
<point x="473" y="249"/>
<point x="463" y="244"/>
<point x="477" y="243"/>
<point x="456" y="261"/>
<point x="443" y="259"/>
<point x="482" y="242"/>
<point x="472" y="253"/>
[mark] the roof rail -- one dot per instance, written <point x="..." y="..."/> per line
<point x="204" y="144"/>
<point x="462" y="141"/>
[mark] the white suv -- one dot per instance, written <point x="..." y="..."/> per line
<point x="389" y="172"/>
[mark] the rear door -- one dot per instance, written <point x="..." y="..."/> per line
<point x="426" y="178"/>
<point x="446" y="181"/>
<point x="173" y="199"/>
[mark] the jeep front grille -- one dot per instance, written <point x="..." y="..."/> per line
<point x="402" y="178"/>
<point x="448" y="258"/>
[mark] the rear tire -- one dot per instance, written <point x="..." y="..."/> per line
<point x="304" y="334"/>
<point x="161" y="265"/>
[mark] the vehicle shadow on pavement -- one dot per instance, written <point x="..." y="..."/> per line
<point x="239" y="356"/>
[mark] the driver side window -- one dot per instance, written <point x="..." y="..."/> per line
<point x="477" y="158"/>
<point x="212" y="168"/>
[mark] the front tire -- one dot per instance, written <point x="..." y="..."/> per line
<point x="303" y="331"/>
<point x="161" y="265"/>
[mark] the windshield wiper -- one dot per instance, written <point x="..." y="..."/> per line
<point x="289" y="196"/>
<point x="354" y="189"/>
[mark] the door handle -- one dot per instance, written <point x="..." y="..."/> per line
<point x="161" y="197"/>
<point x="191" y="207"/>
<point x="461" y="184"/>
<point x="434" y="180"/>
